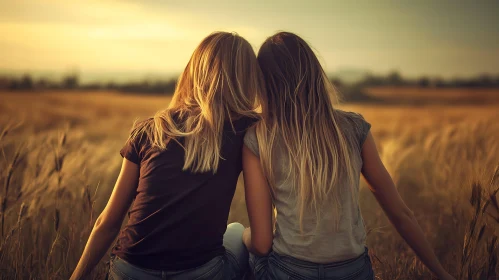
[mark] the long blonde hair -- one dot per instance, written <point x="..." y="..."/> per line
<point x="220" y="83"/>
<point x="298" y="112"/>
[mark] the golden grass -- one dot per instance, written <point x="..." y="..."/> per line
<point x="59" y="160"/>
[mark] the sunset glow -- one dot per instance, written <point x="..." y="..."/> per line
<point x="425" y="37"/>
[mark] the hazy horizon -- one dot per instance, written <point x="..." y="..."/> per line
<point x="346" y="74"/>
<point x="156" y="38"/>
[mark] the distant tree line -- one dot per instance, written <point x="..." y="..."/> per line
<point x="396" y="79"/>
<point x="72" y="82"/>
<point x="146" y="86"/>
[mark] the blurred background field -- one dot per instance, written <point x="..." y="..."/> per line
<point x="74" y="75"/>
<point x="60" y="161"/>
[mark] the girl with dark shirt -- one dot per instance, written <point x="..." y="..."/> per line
<point x="179" y="175"/>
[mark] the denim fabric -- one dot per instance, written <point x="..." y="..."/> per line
<point x="275" y="266"/>
<point x="232" y="265"/>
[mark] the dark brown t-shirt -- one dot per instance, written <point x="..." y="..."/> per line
<point x="178" y="218"/>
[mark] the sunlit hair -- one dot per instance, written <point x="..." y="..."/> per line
<point x="219" y="84"/>
<point x="298" y="114"/>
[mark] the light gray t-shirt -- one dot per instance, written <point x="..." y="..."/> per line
<point x="322" y="242"/>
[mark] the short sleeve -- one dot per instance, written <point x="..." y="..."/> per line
<point x="130" y="151"/>
<point x="363" y="130"/>
<point x="356" y="126"/>
<point x="251" y="141"/>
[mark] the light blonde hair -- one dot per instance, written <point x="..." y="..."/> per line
<point x="220" y="83"/>
<point x="298" y="112"/>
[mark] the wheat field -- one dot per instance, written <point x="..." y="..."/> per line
<point x="59" y="161"/>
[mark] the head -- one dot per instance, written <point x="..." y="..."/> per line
<point x="298" y="112"/>
<point x="219" y="84"/>
<point x="221" y="78"/>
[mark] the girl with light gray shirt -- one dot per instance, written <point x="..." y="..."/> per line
<point x="305" y="157"/>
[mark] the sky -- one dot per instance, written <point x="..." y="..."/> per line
<point x="105" y="38"/>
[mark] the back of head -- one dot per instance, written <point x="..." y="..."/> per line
<point x="220" y="83"/>
<point x="222" y="74"/>
<point x="298" y="112"/>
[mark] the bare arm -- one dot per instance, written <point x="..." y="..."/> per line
<point x="258" y="239"/>
<point x="108" y="224"/>
<point x="383" y="188"/>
